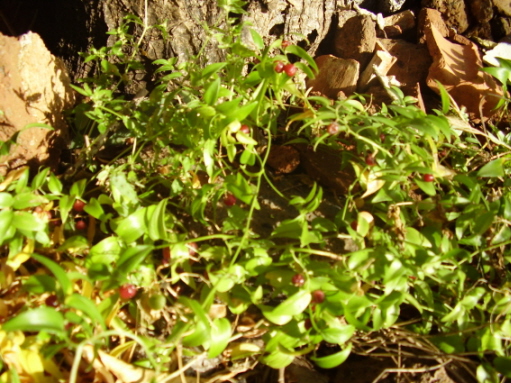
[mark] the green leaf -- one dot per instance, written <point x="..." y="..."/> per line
<point x="427" y="187"/>
<point x="23" y="220"/>
<point x="257" y="39"/>
<point x="106" y="251"/>
<point x="211" y="94"/>
<point x="132" y="227"/>
<point x="78" y="188"/>
<point x="333" y="360"/>
<point x="86" y="306"/>
<point x="54" y="184"/>
<point x="300" y="52"/>
<point x="94" y="208"/>
<point x="278" y="359"/>
<point x="503" y="365"/>
<point x="284" y="312"/>
<point x="338" y="335"/>
<point x="39" y="319"/>
<point x="212" y="68"/>
<point x="493" y="168"/>
<point x="155" y="218"/>
<point x="220" y="335"/>
<point x="6" y="200"/>
<point x="58" y="271"/>
<point x="131" y="258"/>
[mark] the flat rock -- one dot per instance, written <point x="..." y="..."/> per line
<point x="454" y="13"/>
<point x="34" y="88"/>
<point x="398" y="23"/>
<point x="336" y="76"/>
<point x="457" y="68"/>
<point x="356" y="39"/>
<point x="411" y="65"/>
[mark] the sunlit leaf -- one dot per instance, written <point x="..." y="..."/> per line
<point x="39" y="319"/>
<point x="332" y="360"/>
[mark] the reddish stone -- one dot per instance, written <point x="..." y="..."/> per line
<point x="335" y="75"/>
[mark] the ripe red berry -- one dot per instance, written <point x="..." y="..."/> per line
<point x="286" y="43"/>
<point x="166" y="254"/>
<point x="127" y="291"/>
<point x="51" y="301"/>
<point x="333" y="128"/>
<point x="279" y="66"/>
<point x="298" y="280"/>
<point x="290" y="69"/>
<point x="229" y="200"/>
<point x="370" y="161"/>
<point x="428" y="178"/>
<point x="354" y="225"/>
<point x="80" y="225"/>
<point x="245" y="129"/>
<point x="78" y="206"/>
<point x="307" y="324"/>
<point x="318" y="296"/>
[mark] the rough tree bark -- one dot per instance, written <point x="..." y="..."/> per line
<point x="295" y="20"/>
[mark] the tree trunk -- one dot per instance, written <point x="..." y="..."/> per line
<point x="303" y="22"/>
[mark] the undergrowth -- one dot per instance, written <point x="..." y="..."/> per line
<point x="142" y="258"/>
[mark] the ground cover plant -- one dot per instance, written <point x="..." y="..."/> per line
<point x="146" y="262"/>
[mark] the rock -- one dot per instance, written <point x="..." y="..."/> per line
<point x="482" y="10"/>
<point x="356" y="39"/>
<point x="454" y="13"/>
<point x="500" y="27"/>
<point x="457" y="68"/>
<point x="335" y="75"/>
<point x="428" y="18"/>
<point x="34" y="88"/>
<point x="395" y="25"/>
<point x="379" y="65"/>
<point x="411" y="65"/>
<point x="503" y="7"/>
<point x="283" y="158"/>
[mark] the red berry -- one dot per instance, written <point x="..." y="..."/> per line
<point x="428" y="178"/>
<point x="286" y="43"/>
<point x="279" y="66"/>
<point x="370" y="161"/>
<point x="78" y="206"/>
<point x="333" y="128"/>
<point x="318" y="296"/>
<point x="307" y="324"/>
<point x="192" y="248"/>
<point x="354" y="225"/>
<point x="127" y="291"/>
<point x="229" y="200"/>
<point x="80" y="225"/>
<point x="245" y="129"/>
<point x="298" y="280"/>
<point x="290" y="69"/>
<point x="166" y="254"/>
<point x="51" y="301"/>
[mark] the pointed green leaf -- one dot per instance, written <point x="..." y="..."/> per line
<point x="492" y="169"/>
<point x="39" y="319"/>
<point x="220" y="335"/>
<point x="284" y="312"/>
<point x="58" y="271"/>
<point x="333" y="360"/>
